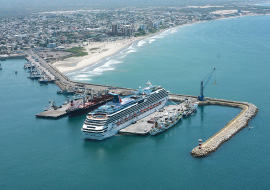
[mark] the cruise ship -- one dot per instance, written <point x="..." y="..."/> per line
<point x="108" y="119"/>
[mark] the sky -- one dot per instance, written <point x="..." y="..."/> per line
<point x="26" y="6"/>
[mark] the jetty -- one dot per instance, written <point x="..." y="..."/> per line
<point x="142" y="127"/>
<point x="235" y="125"/>
<point x="54" y="113"/>
<point x="65" y="83"/>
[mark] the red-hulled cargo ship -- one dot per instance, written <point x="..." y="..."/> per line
<point x="77" y="108"/>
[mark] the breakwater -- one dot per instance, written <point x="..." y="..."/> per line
<point x="235" y="125"/>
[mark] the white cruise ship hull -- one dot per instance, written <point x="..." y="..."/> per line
<point x="114" y="129"/>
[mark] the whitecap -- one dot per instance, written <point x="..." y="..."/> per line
<point x="99" y="70"/>
<point x="123" y="56"/>
<point x="111" y="62"/>
<point x="82" y="76"/>
<point x="141" y="43"/>
<point x="151" y="41"/>
<point x="131" y="51"/>
<point x="173" y="31"/>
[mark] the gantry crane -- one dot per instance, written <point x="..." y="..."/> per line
<point x="204" y="83"/>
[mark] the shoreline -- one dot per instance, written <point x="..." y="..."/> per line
<point x="66" y="69"/>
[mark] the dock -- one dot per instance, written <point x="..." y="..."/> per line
<point x="54" y="113"/>
<point x="142" y="127"/>
<point x="64" y="82"/>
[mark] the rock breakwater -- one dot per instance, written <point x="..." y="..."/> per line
<point x="239" y="122"/>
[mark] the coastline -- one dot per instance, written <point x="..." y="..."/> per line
<point x="94" y="57"/>
<point x="113" y="48"/>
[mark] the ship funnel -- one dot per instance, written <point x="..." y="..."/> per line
<point x="116" y="98"/>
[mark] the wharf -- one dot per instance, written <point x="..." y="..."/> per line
<point x="41" y="66"/>
<point x="65" y="83"/>
<point x="142" y="127"/>
<point x="54" y="114"/>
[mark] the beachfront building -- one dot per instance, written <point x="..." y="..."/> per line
<point x="114" y="29"/>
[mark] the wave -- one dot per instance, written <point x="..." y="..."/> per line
<point x="173" y="31"/>
<point x="109" y="63"/>
<point x="81" y="77"/>
<point x="108" y="66"/>
<point x="141" y="43"/>
<point x="165" y="33"/>
<point x="131" y="51"/>
<point x="151" y="41"/>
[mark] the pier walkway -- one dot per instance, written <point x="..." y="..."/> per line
<point x="65" y="83"/>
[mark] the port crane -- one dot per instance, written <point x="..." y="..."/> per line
<point x="204" y="83"/>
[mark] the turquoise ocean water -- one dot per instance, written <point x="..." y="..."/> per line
<point x="52" y="154"/>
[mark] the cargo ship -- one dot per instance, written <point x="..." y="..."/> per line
<point x="190" y="109"/>
<point x="165" y="122"/>
<point x="82" y="106"/>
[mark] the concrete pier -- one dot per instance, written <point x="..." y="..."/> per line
<point x="239" y="122"/>
<point x="54" y="114"/>
<point x="142" y="127"/>
<point x="65" y="83"/>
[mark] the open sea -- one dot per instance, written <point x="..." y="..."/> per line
<point x="53" y="154"/>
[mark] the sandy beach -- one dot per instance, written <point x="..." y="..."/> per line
<point x="96" y="52"/>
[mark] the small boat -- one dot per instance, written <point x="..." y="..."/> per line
<point x="189" y="109"/>
<point x="0" y="67"/>
<point x="51" y="106"/>
<point x="65" y="92"/>
<point x="16" y="72"/>
<point x="165" y="122"/>
<point x="43" y="80"/>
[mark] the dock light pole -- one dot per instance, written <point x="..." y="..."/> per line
<point x="200" y="143"/>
